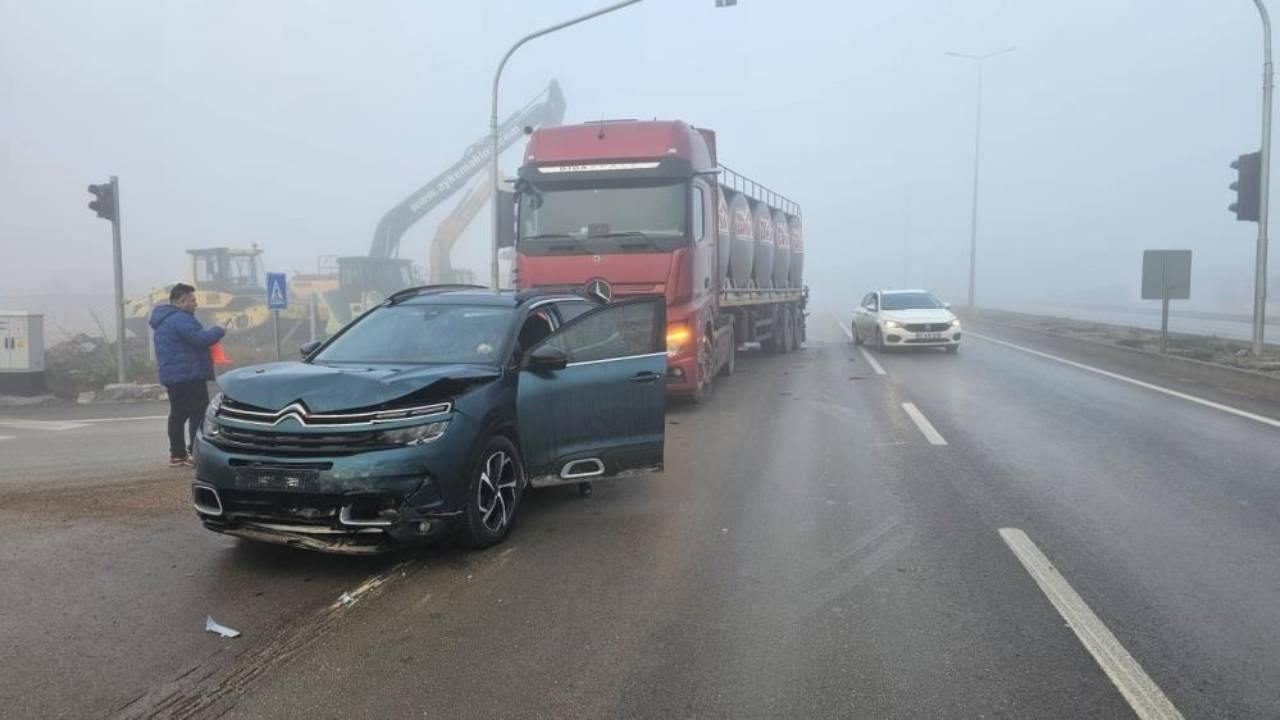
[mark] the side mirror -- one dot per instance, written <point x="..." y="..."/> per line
<point x="546" y="358"/>
<point x="309" y="348"/>
<point x="946" y="306"/>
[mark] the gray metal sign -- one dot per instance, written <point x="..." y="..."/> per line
<point x="1166" y="274"/>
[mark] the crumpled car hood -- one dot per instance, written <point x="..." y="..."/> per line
<point x="330" y="388"/>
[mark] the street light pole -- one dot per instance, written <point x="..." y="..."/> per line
<point x="493" y="119"/>
<point x="977" y="148"/>
<point x="1260" y="262"/>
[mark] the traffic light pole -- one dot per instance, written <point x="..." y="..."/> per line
<point x="1260" y="262"/>
<point x="119" y="278"/>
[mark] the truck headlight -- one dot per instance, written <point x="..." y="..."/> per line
<point x="415" y="435"/>
<point x="677" y="338"/>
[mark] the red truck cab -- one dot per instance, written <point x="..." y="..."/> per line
<point x="623" y="208"/>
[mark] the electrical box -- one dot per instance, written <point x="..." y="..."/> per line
<point x="21" y="353"/>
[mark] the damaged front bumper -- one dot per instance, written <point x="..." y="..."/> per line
<point x="358" y="504"/>
<point x="353" y="524"/>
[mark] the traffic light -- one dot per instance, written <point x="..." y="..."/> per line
<point x="1248" y="186"/>
<point x="104" y="202"/>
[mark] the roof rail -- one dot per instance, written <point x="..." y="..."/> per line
<point x="742" y="184"/>
<point x="431" y="289"/>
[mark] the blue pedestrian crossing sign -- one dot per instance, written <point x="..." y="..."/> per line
<point x="277" y="291"/>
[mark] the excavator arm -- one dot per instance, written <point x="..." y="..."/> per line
<point x="546" y="109"/>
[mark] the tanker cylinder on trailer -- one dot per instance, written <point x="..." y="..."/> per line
<point x="782" y="250"/>
<point x="797" y="251"/>
<point x="742" y="241"/>
<point x="762" y="266"/>
<point x="724" y="237"/>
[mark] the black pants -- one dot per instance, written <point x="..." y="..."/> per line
<point x="187" y="403"/>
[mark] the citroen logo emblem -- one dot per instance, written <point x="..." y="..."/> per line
<point x="600" y="289"/>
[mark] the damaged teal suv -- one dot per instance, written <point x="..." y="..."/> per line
<point x="430" y="415"/>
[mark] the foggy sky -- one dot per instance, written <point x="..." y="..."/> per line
<point x="297" y="125"/>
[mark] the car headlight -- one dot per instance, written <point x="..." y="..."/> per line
<point x="415" y="435"/>
<point x="210" y="428"/>
<point x="891" y="324"/>
<point x="955" y="323"/>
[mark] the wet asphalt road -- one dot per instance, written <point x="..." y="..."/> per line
<point x="808" y="553"/>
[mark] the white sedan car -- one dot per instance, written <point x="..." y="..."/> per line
<point x="905" y="318"/>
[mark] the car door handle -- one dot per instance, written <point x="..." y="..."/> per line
<point x="646" y="377"/>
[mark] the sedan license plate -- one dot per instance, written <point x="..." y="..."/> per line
<point x="277" y="479"/>
<point x="929" y="336"/>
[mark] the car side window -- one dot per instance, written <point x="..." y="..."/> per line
<point x="536" y="328"/>
<point x="626" y="329"/>
<point x="873" y="302"/>
<point x="571" y="309"/>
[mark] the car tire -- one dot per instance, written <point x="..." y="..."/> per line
<point x="879" y="341"/>
<point x="953" y="349"/>
<point x="857" y="336"/>
<point x="492" y="503"/>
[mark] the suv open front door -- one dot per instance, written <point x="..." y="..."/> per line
<point x="602" y="412"/>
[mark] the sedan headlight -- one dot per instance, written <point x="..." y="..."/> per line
<point x="416" y="435"/>
<point x="892" y="324"/>
<point x="955" y="323"/>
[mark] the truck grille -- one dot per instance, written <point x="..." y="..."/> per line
<point x="296" y="444"/>
<point x="927" y="327"/>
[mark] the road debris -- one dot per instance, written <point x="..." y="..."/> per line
<point x="211" y="625"/>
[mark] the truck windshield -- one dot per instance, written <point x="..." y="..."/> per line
<point x="562" y="221"/>
<point x="422" y="334"/>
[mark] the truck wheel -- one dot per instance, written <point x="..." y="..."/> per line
<point x="706" y="370"/>
<point x="732" y="362"/>
<point x="493" y="493"/>
<point x="793" y="330"/>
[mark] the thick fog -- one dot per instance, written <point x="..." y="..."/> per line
<point x="297" y="125"/>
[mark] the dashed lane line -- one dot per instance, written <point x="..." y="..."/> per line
<point x="1143" y="695"/>
<point x="926" y="428"/>
<point x="875" y="366"/>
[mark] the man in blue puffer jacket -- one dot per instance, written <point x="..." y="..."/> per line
<point x="185" y="366"/>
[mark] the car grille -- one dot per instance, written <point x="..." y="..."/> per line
<point x="296" y="444"/>
<point x="927" y="327"/>
<point x="926" y="341"/>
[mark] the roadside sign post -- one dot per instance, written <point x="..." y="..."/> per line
<point x="277" y="300"/>
<point x="1166" y="275"/>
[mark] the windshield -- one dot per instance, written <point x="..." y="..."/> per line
<point x="602" y="220"/>
<point x="422" y="334"/>
<point x="909" y="301"/>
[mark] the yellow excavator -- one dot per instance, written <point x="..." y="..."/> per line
<point x="364" y="281"/>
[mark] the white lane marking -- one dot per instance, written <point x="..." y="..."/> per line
<point x="1134" y="381"/>
<point x="16" y="424"/>
<point x="848" y="332"/>
<point x="6" y="437"/>
<point x="871" y="361"/>
<point x="875" y="366"/>
<point x="1144" y="696"/>
<point x="922" y="422"/>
